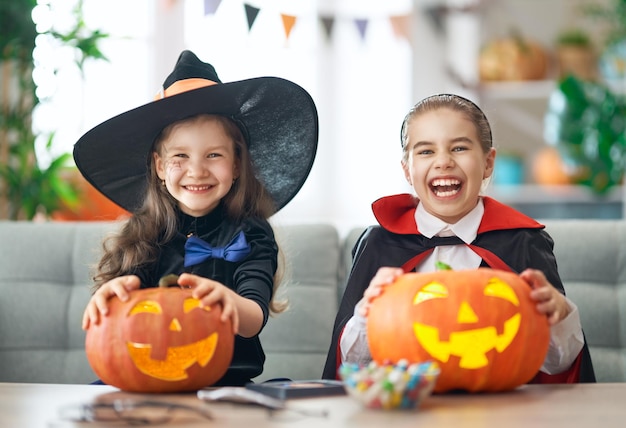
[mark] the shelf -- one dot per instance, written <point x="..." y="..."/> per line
<point x="543" y="202"/>
<point x="530" y="89"/>
<point x="532" y="193"/>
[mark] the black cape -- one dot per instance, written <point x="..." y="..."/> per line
<point x="506" y="239"/>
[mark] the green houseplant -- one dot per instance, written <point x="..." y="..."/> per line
<point x="575" y="54"/>
<point x="26" y="187"/>
<point x="586" y="119"/>
<point x="586" y="122"/>
<point x="611" y="14"/>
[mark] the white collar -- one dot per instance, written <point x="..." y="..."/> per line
<point x="466" y="228"/>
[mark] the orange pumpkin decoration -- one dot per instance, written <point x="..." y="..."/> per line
<point x="92" y="206"/>
<point x="513" y="59"/>
<point x="549" y="168"/>
<point x="160" y="340"/>
<point x="480" y="326"/>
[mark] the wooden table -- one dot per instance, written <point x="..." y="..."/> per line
<point x="585" y="405"/>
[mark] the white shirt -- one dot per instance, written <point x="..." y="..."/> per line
<point x="566" y="337"/>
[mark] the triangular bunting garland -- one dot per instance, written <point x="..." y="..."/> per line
<point x="401" y="26"/>
<point x="328" y="22"/>
<point x="288" y="23"/>
<point x="361" y="25"/>
<point x="168" y="4"/>
<point x="210" y="6"/>
<point x="251" y="14"/>
<point x="436" y="14"/>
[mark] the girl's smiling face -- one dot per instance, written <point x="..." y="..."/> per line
<point x="445" y="163"/>
<point x="198" y="164"/>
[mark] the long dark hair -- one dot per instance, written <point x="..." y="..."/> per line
<point x="156" y="221"/>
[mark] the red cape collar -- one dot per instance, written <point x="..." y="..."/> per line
<point x="396" y="213"/>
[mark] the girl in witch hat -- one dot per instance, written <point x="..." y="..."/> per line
<point x="201" y="169"/>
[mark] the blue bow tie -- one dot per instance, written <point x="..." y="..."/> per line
<point x="198" y="250"/>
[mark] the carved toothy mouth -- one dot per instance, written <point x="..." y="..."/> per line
<point x="470" y="345"/>
<point x="177" y="361"/>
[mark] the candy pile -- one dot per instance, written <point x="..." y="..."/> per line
<point x="390" y="386"/>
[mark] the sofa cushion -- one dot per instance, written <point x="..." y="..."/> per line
<point x="296" y="341"/>
<point x="591" y="257"/>
<point x="44" y="286"/>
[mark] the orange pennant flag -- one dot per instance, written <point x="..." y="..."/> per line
<point x="168" y="4"/>
<point x="401" y="26"/>
<point x="288" y="22"/>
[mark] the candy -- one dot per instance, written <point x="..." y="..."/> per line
<point x="389" y="386"/>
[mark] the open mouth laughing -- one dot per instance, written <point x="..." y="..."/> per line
<point x="444" y="187"/>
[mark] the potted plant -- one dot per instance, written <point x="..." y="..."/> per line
<point x="575" y="54"/>
<point x="612" y="14"/>
<point x="26" y="187"/>
<point x="586" y="122"/>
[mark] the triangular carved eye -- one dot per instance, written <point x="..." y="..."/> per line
<point x="146" y="306"/>
<point x="192" y="303"/>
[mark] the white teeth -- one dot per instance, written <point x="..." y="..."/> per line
<point x="445" y="182"/>
<point x="444" y="187"/>
<point x="445" y="194"/>
<point x="197" y="188"/>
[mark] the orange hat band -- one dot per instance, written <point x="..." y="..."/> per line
<point x="183" y="86"/>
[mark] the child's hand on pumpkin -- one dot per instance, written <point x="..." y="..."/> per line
<point x="549" y="300"/>
<point x="98" y="304"/>
<point x="384" y="276"/>
<point x="211" y="292"/>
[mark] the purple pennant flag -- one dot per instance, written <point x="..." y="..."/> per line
<point x="361" y="25"/>
<point x="251" y="14"/>
<point x="210" y="6"/>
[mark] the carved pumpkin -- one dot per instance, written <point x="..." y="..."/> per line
<point x="480" y="326"/>
<point x="160" y="340"/>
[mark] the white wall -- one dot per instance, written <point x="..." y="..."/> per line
<point x="362" y="87"/>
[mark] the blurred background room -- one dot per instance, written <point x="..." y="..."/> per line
<point x="549" y="74"/>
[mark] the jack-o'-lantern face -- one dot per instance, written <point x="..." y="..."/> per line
<point x="472" y="340"/>
<point x="178" y="358"/>
<point x="160" y="340"/>
<point x="480" y="326"/>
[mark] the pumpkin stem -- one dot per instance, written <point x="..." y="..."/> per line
<point x="442" y="266"/>
<point x="170" y="280"/>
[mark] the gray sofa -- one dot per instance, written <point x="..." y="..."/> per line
<point x="44" y="285"/>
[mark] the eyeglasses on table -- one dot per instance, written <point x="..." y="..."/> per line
<point x="131" y="412"/>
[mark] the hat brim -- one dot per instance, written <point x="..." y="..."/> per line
<point x="278" y="118"/>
